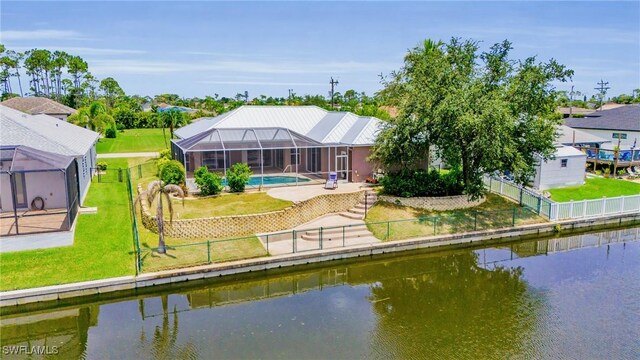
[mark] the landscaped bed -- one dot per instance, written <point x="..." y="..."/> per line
<point x="495" y="212"/>
<point x="595" y="188"/>
<point x="134" y="140"/>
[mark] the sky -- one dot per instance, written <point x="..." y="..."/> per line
<point x="206" y="48"/>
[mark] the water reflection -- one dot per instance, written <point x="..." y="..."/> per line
<point x="499" y="302"/>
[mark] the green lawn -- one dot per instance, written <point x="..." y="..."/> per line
<point x="102" y="247"/>
<point x="226" y="204"/>
<point x="495" y="212"/>
<point x="595" y="188"/>
<point x="134" y="140"/>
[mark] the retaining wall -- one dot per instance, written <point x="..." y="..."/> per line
<point x="442" y="203"/>
<point x="247" y="225"/>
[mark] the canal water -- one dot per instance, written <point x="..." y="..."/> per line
<point x="576" y="297"/>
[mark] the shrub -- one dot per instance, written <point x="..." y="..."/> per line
<point x="172" y="173"/>
<point x="208" y="182"/>
<point x="102" y="166"/>
<point x="110" y="132"/>
<point x="165" y="154"/>
<point x="238" y="176"/>
<point x="409" y="183"/>
<point x="160" y="164"/>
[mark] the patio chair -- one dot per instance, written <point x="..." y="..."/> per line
<point x="636" y="170"/>
<point x="631" y="172"/>
<point x="332" y="181"/>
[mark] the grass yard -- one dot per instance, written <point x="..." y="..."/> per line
<point x="595" y="188"/>
<point x="226" y="204"/>
<point x="102" y="246"/>
<point x="134" y="140"/>
<point x="495" y="212"/>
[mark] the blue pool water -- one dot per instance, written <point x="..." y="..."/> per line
<point x="271" y="180"/>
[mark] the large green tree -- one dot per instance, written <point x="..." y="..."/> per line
<point x="480" y="112"/>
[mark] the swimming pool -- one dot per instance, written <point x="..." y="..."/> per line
<point x="272" y="180"/>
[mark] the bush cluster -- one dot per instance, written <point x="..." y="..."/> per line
<point x="110" y="132"/>
<point x="238" y="176"/>
<point x="171" y="171"/>
<point x="409" y="183"/>
<point x="102" y="165"/>
<point x="208" y="182"/>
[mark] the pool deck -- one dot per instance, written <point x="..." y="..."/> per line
<point x="305" y="192"/>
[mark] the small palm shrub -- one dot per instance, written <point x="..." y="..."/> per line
<point x="238" y="176"/>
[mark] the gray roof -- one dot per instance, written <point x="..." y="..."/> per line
<point x="625" y="118"/>
<point x="326" y="127"/>
<point x="44" y="132"/>
<point x="38" y="105"/>
<point x="568" y="136"/>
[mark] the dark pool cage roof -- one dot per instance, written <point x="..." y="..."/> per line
<point x="22" y="159"/>
<point x="247" y="139"/>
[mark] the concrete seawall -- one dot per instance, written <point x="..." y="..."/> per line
<point x="110" y="287"/>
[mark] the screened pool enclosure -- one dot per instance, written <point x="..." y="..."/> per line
<point x="39" y="191"/>
<point x="270" y="152"/>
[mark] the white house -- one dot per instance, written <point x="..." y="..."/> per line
<point x="618" y="123"/>
<point x="52" y="135"/>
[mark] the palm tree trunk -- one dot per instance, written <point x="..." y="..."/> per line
<point x="161" y="247"/>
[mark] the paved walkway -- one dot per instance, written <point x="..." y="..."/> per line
<point x="304" y="192"/>
<point x="128" y="155"/>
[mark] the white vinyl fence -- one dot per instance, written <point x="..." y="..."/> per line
<point x="567" y="210"/>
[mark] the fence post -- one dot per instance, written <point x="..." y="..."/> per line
<point x="343" y="236"/>
<point x="539" y="204"/>
<point x="521" y="190"/>
<point x="267" y="243"/>
<point x="604" y="205"/>
<point x="388" y="230"/>
<point x="513" y="218"/>
<point x="622" y="204"/>
<point x="295" y="236"/>
<point x="209" y="251"/>
<point x="139" y="171"/>
<point x="320" y="237"/>
<point x="475" y="220"/>
<point x="435" y="221"/>
<point x="119" y="175"/>
<point x="571" y="209"/>
<point x="501" y="186"/>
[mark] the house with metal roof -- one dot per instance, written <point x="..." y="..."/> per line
<point x="620" y="123"/>
<point x="48" y="138"/>
<point x="280" y="141"/>
<point x="34" y="105"/>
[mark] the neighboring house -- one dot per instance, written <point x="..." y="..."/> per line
<point x="39" y="105"/>
<point x="568" y="165"/>
<point x="622" y="123"/>
<point x="304" y="140"/>
<point x="48" y="134"/>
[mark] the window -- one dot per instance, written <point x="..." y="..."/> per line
<point x="563" y="162"/>
<point x="621" y="136"/>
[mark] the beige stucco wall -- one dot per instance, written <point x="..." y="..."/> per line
<point x="244" y="225"/>
<point x="359" y="164"/>
<point x="48" y="185"/>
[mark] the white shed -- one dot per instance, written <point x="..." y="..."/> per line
<point x="566" y="168"/>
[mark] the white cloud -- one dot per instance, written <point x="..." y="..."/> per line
<point x="49" y="34"/>
<point x="73" y="50"/>
<point x="269" y="83"/>
<point x="252" y="67"/>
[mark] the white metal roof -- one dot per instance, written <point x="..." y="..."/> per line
<point x="568" y="151"/>
<point x="311" y="121"/>
<point x="44" y="132"/>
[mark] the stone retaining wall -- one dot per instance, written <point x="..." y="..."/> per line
<point x="242" y="225"/>
<point x="434" y="203"/>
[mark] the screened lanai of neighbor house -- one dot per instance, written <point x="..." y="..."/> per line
<point x="39" y="191"/>
<point x="283" y="145"/>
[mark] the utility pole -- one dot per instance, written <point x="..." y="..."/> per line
<point x="246" y="97"/>
<point x="333" y="84"/>
<point x="571" y="103"/>
<point x="290" y="94"/>
<point x="602" y="90"/>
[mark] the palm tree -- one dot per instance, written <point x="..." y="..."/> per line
<point x="159" y="188"/>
